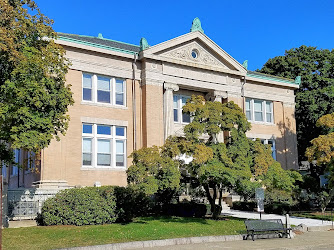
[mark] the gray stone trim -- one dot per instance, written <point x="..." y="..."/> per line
<point x="151" y="81"/>
<point x="269" y="96"/>
<point x="171" y="86"/>
<point x="114" y="169"/>
<point x="104" y="69"/>
<point x="100" y="104"/>
<point x="289" y="105"/>
<point x="104" y="121"/>
<point x="261" y="136"/>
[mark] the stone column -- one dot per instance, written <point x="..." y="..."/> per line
<point x="168" y="108"/>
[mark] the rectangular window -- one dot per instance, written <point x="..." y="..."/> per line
<point x="87" y="151"/>
<point x="119" y="153"/>
<point x="178" y="102"/>
<point x="103" y="89"/>
<point x="103" y="152"/>
<point x="176" y="108"/>
<point x="87" y="85"/>
<point x="269" y="112"/>
<point x="259" y="110"/>
<point x="119" y="92"/>
<point x="185" y="116"/>
<point x="248" y="109"/>
<point x="17" y="159"/>
<point x="103" y="145"/>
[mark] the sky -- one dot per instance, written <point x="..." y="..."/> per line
<point x="252" y="30"/>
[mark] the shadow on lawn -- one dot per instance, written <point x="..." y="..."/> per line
<point x="173" y="219"/>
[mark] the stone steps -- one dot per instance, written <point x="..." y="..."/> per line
<point x="225" y="206"/>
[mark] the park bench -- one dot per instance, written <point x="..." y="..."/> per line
<point x="255" y="227"/>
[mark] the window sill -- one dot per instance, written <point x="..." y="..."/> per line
<point x="103" y="168"/>
<point x="263" y="123"/>
<point x="182" y="123"/>
<point x="103" y="105"/>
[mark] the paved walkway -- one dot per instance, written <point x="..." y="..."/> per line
<point x="309" y="240"/>
<point x="293" y="220"/>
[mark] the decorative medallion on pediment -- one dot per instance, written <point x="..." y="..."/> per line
<point x="194" y="53"/>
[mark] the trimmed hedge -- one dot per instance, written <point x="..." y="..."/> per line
<point x="93" y="206"/>
<point x="187" y="209"/>
<point x="79" y="206"/>
<point x="275" y="208"/>
<point x="244" y="205"/>
<point x="130" y="203"/>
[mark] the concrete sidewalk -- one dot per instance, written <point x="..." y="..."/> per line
<point x="309" y="240"/>
<point x="293" y="220"/>
<point x="323" y="240"/>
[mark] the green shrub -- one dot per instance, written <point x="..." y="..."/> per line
<point x="130" y="203"/>
<point x="186" y="209"/>
<point x="277" y="208"/>
<point x="79" y="206"/>
<point x="244" y="205"/>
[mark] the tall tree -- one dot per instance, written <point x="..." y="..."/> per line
<point x="322" y="148"/>
<point x="315" y="97"/>
<point x="239" y="164"/>
<point x="34" y="98"/>
<point x="217" y="166"/>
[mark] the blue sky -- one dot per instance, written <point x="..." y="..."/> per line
<point x="252" y="30"/>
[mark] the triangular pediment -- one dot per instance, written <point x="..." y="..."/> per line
<point x="181" y="50"/>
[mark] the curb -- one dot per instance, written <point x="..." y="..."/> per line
<point x="319" y="228"/>
<point x="160" y="243"/>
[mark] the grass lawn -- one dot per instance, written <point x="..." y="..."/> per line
<point x="148" y="228"/>
<point x="314" y="215"/>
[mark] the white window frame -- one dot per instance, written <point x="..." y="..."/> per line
<point x="94" y="90"/>
<point x="264" y="110"/>
<point x="112" y="137"/>
<point x="179" y="108"/>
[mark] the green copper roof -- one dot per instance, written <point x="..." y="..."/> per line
<point x="100" y="42"/>
<point x="271" y="78"/>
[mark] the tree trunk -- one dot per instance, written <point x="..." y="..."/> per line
<point x="220" y="196"/>
<point x="212" y="200"/>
